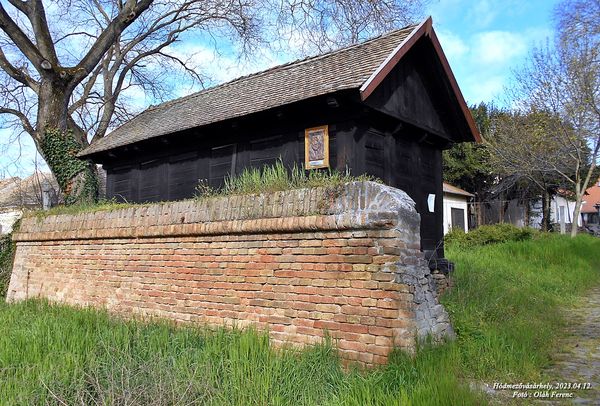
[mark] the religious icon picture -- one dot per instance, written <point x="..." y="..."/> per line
<point x="316" y="147"/>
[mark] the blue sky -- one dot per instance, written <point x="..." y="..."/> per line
<point x="483" y="40"/>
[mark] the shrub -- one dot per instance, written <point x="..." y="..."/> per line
<point x="489" y="234"/>
<point x="7" y="252"/>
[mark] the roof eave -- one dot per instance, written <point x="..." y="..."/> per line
<point x="423" y="29"/>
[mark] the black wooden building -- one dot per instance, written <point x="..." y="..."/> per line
<point x="386" y="107"/>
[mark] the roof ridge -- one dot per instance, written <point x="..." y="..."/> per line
<point x="286" y="65"/>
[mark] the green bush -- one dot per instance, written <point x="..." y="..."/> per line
<point x="7" y="252"/>
<point x="490" y="234"/>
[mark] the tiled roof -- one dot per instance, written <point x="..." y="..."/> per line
<point x="591" y="198"/>
<point x="456" y="191"/>
<point x="347" y="68"/>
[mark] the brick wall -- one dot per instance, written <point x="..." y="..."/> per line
<point x="343" y="261"/>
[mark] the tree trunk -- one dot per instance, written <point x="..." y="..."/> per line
<point x="546" y="223"/>
<point x="59" y="139"/>
<point x="577" y="211"/>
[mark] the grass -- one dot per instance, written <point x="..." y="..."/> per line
<point x="505" y="307"/>
<point x="59" y="355"/>
<point x="269" y="178"/>
<point x="277" y="177"/>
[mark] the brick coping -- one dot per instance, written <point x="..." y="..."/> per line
<point x="355" y="205"/>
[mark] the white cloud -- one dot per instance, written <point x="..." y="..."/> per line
<point x="482" y="14"/>
<point x="454" y="47"/>
<point x="484" y="88"/>
<point x="483" y="61"/>
<point x="498" y="49"/>
<point x="219" y="67"/>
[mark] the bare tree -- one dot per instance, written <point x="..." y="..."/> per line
<point x="534" y="150"/>
<point x="562" y="81"/>
<point x="65" y="64"/>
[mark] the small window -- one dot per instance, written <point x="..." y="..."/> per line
<point x="222" y="163"/>
<point x="561" y="213"/>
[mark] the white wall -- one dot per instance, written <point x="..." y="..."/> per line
<point x="8" y="219"/>
<point x="458" y="202"/>
<point x="569" y="208"/>
<point x="557" y="202"/>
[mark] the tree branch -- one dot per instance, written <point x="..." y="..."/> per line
<point x="17" y="74"/>
<point x="107" y="38"/>
<point x="24" y="120"/>
<point x="43" y="38"/>
<point x="21" y="40"/>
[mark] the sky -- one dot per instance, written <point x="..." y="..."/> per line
<point x="482" y="39"/>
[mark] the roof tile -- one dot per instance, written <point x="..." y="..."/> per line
<point x="347" y="68"/>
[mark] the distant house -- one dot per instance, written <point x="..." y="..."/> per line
<point x="590" y="210"/>
<point x="591" y="205"/>
<point x="387" y="107"/>
<point x="456" y="210"/>
<point x="562" y="208"/>
<point x="34" y="192"/>
<point x="527" y="212"/>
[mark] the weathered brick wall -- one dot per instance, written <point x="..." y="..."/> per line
<point x="301" y="263"/>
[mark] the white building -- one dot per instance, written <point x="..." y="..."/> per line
<point x="34" y="192"/>
<point x="456" y="212"/>
<point x="561" y="212"/>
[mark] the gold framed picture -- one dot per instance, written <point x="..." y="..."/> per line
<point x="316" y="147"/>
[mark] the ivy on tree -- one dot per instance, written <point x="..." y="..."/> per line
<point x="60" y="151"/>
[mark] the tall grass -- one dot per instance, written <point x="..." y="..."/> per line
<point x="59" y="355"/>
<point x="276" y="177"/>
<point x="505" y="307"/>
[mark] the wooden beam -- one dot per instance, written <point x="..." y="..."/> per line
<point x="393" y="58"/>
<point x="425" y="29"/>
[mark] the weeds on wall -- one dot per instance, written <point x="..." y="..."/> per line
<point x="276" y="177"/>
<point x="82" y="207"/>
<point x="268" y="179"/>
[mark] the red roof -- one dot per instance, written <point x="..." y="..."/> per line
<point x="453" y="190"/>
<point x="591" y="198"/>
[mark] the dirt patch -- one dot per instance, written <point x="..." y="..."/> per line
<point x="577" y="364"/>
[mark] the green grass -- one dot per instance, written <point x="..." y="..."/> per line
<point x="505" y="307"/>
<point x="269" y="178"/>
<point x="276" y="177"/>
<point x="7" y="252"/>
<point x="57" y="354"/>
